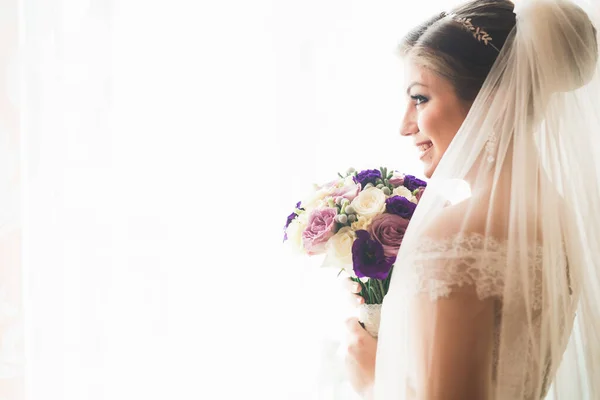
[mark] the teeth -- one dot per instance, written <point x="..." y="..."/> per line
<point x="426" y="146"/>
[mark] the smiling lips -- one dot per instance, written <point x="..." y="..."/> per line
<point x="424" y="147"/>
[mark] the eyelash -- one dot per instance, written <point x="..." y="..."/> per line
<point x="419" y="99"/>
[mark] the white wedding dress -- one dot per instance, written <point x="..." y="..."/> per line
<point x="496" y="294"/>
<point x="479" y="262"/>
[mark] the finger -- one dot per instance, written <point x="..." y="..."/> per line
<point x="354" y="326"/>
<point x="354" y="300"/>
<point x="353" y="287"/>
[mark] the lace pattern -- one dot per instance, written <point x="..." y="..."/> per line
<point x="437" y="267"/>
<point x="370" y="316"/>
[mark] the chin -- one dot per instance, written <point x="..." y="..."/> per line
<point x="429" y="169"/>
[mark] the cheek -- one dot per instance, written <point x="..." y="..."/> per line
<point x="429" y="124"/>
<point x="439" y="125"/>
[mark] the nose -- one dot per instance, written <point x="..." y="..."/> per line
<point x="409" y="122"/>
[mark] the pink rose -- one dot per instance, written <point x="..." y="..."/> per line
<point x="321" y="227"/>
<point x="388" y="229"/>
<point x="397" y="179"/>
<point x="347" y="192"/>
<point x="419" y="192"/>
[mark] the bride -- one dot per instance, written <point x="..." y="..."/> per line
<point x="496" y="290"/>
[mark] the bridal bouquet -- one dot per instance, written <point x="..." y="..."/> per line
<point x="358" y="221"/>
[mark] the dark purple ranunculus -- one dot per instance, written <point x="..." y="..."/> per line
<point x="400" y="206"/>
<point x="368" y="257"/>
<point x="367" y="176"/>
<point x="290" y="218"/>
<point x="412" y="183"/>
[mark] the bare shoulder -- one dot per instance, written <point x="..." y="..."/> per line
<point x="469" y="216"/>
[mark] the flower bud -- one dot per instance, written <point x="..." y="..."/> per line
<point x="350" y="210"/>
<point x="378" y="182"/>
<point x="386" y="182"/>
<point x="368" y="185"/>
<point x="350" y="171"/>
<point x="352" y="218"/>
<point x="386" y="191"/>
<point x="380" y="186"/>
<point x="338" y="200"/>
<point x="345" y="202"/>
<point x="342" y="218"/>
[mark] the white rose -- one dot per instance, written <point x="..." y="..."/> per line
<point x="369" y="203"/>
<point x="316" y="199"/>
<point x="294" y="232"/>
<point x="349" y="181"/>
<point x="402" y="191"/>
<point x="339" y="249"/>
<point x="362" y="223"/>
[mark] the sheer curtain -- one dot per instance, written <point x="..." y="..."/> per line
<point x="139" y="122"/>
<point x="162" y="144"/>
<point x="11" y="290"/>
<point x="340" y="99"/>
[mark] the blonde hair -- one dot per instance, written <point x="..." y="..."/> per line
<point x="443" y="45"/>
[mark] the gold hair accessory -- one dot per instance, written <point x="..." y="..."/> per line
<point x="478" y="33"/>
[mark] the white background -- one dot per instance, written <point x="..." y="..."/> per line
<point x="164" y="143"/>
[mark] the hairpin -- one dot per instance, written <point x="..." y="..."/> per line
<point x="478" y="33"/>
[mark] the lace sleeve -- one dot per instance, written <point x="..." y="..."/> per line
<point x="440" y="266"/>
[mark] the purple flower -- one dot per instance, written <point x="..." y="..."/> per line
<point x="388" y="229"/>
<point x="368" y="257"/>
<point x="290" y="218"/>
<point x="367" y="176"/>
<point x="401" y="206"/>
<point x="321" y="227"/>
<point x="412" y="183"/>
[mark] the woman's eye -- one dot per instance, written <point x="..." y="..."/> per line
<point x="419" y="99"/>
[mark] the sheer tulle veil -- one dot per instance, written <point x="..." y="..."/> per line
<point x="498" y="293"/>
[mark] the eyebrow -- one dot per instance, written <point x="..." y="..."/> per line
<point x="414" y="84"/>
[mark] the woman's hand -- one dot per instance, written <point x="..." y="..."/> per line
<point x="360" y="358"/>
<point x="354" y="288"/>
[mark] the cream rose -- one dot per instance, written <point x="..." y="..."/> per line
<point x="339" y="249"/>
<point x="316" y="199"/>
<point x="362" y="223"/>
<point x="369" y="203"/>
<point x="402" y="191"/>
<point x="294" y="232"/>
<point x="349" y="181"/>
